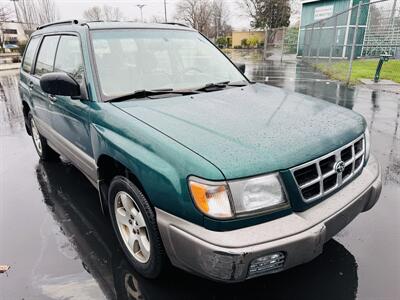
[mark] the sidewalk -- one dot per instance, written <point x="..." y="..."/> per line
<point x="382" y="85"/>
<point x="13" y="66"/>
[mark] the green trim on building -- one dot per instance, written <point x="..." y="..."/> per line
<point x="337" y="31"/>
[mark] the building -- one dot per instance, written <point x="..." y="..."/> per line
<point x="12" y="33"/>
<point x="334" y="36"/>
<point x="238" y="36"/>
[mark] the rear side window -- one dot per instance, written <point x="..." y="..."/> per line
<point x="69" y="57"/>
<point x="47" y="52"/>
<point x="29" y="54"/>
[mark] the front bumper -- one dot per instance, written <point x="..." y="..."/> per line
<point x="300" y="236"/>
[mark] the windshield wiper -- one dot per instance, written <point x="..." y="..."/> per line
<point x="238" y="83"/>
<point x="147" y="93"/>
<point x="212" y="86"/>
<point x="220" y="85"/>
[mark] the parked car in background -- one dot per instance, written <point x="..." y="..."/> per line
<point x="194" y="163"/>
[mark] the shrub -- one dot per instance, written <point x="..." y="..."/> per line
<point x="253" y="41"/>
<point x="222" y="42"/>
<point x="244" y="43"/>
<point x="16" y="59"/>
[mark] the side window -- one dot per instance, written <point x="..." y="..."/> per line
<point x="47" y="51"/>
<point x="69" y="57"/>
<point x="29" y="54"/>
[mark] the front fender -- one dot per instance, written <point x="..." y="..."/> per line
<point x="161" y="164"/>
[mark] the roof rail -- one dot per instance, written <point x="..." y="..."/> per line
<point x="57" y="23"/>
<point x="174" y="23"/>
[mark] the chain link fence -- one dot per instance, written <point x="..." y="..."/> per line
<point x="281" y="43"/>
<point x="357" y="37"/>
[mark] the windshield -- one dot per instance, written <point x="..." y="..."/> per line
<point x="129" y="60"/>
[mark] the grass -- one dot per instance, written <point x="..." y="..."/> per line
<point x="362" y="68"/>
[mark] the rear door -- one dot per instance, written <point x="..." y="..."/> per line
<point x="44" y="64"/>
<point x="25" y="83"/>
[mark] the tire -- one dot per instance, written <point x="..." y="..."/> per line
<point x="45" y="152"/>
<point x="137" y="232"/>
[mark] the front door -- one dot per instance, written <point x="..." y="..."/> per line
<point x="71" y="117"/>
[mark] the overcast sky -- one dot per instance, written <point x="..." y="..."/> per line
<point x="73" y="9"/>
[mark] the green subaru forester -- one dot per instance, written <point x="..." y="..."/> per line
<point x="195" y="165"/>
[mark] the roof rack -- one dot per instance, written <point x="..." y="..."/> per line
<point x="174" y="23"/>
<point x="57" y="23"/>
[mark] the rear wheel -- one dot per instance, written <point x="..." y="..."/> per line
<point x="135" y="224"/>
<point x="44" y="151"/>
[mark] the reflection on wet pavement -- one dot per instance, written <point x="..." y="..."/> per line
<point x="60" y="246"/>
<point x="10" y="112"/>
<point x="74" y="208"/>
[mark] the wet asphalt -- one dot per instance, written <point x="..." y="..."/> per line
<point x="60" y="246"/>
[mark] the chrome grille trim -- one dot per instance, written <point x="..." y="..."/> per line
<point x="321" y="176"/>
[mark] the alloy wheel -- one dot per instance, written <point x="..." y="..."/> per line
<point x="36" y="137"/>
<point x="132" y="226"/>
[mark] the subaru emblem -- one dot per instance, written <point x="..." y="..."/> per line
<point x="339" y="166"/>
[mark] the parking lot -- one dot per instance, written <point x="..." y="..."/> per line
<point x="60" y="246"/>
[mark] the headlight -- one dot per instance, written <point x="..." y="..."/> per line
<point x="367" y="143"/>
<point x="211" y="198"/>
<point x="258" y="194"/>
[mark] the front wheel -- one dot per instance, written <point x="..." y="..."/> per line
<point x="135" y="224"/>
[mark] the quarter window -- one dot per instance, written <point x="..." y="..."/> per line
<point x="69" y="57"/>
<point x="29" y="54"/>
<point x="45" y="60"/>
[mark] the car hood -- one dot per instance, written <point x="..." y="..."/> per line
<point x="251" y="130"/>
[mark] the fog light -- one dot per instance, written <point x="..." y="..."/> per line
<point x="267" y="264"/>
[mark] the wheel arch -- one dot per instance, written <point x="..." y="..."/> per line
<point x="109" y="167"/>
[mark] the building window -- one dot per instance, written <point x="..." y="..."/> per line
<point x="10" y="31"/>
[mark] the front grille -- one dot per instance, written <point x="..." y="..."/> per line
<point x="323" y="175"/>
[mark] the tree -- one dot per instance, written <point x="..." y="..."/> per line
<point x="267" y="13"/>
<point x="196" y="13"/>
<point x="93" y="14"/>
<point x="210" y="17"/>
<point x="112" y="13"/>
<point x="219" y="17"/>
<point x="105" y="13"/>
<point x="35" y="12"/>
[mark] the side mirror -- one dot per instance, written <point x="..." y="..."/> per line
<point x="241" y="67"/>
<point x="61" y="84"/>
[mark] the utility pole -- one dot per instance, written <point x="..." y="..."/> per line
<point x="165" y="11"/>
<point x="16" y="10"/>
<point x="140" y="6"/>
<point x="393" y="13"/>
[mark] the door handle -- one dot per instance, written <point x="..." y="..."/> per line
<point x="52" y="98"/>
<point x="30" y="85"/>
